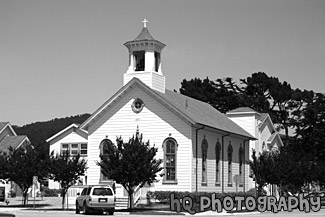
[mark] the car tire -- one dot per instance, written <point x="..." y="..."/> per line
<point x="77" y="208"/>
<point x="85" y="209"/>
<point x="110" y="212"/>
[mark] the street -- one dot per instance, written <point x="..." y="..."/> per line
<point x="31" y="213"/>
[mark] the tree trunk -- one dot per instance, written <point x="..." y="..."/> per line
<point x="25" y="192"/>
<point x="63" y="198"/>
<point x="287" y="135"/>
<point x="131" y="204"/>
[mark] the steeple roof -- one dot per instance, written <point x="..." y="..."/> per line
<point x="144" y="35"/>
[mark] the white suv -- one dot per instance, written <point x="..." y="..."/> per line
<point x="99" y="198"/>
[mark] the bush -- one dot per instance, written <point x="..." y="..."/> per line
<point x="12" y="193"/>
<point x="252" y="192"/>
<point x="51" y="192"/>
<point x="164" y="196"/>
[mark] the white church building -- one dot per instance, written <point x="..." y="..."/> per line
<point x="202" y="149"/>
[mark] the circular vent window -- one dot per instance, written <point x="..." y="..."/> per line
<point x="137" y="105"/>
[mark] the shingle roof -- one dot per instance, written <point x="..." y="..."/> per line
<point x="11" y="141"/>
<point x="263" y="116"/>
<point x="2" y="125"/>
<point x="272" y="137"/>
<point x="203" y="113"/>
<point x="144" y="35"/>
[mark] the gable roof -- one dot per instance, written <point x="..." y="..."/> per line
<point x="4" y="125"/>
<point x="75" y="126"/>
<point x="12" y="141"/>
<point x="192" y="110"/>
<point x="263" y="117"/>
<point x="273" y="137"/>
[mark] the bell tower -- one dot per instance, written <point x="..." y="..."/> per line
<point x="145" y="60"/>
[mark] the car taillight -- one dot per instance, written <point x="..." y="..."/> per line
<point x="114" y="199"/>
<point x="89" y="199"/>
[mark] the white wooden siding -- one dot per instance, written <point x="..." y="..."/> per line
<point x="55" y="145"/>
<point x="212" y="138"/>
<point x="155" y="122"/>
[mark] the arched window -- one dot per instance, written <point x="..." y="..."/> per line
<point x="229" y="153"/>
<point x="204" y="148"/>
<point x="241" y="157"/>
<point x="106" y="147"/>
<point x="170" y="155"/>
<point x="218" y="151"/>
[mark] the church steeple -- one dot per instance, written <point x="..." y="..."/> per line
<point x="145" y="60"/>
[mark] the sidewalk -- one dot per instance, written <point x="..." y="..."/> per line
<point x="54" y="204"/>
<point x="39" y="203"/>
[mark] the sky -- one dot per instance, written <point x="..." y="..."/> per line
<point x="62" y="58"/>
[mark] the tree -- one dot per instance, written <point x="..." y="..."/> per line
<point x="4" y="174"/>
<point x="310" y="136"/>
<point x="131" y="164"/>
<point x="24" y="163"/>
<point x="66" y="170"/>
<point x="264" y="169"/>
<point x="260" y="92"/>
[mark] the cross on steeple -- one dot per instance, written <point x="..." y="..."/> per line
<point x="145" y="21"/>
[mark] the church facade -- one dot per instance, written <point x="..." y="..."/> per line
<point x="202" y="149"/>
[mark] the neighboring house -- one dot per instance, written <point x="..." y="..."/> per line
<point x="202" y="149"/>
<point x="261" y="127"/>
<point x="73" y="139"/>
<point x="9" y="138"/>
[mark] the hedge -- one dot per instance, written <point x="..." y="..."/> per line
<point x="164" y="196"/>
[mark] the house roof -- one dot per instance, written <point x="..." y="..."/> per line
<point x="76" y="126"/>
<point x="4" y="125"/>
<point x="273" y="137"/>
<point x="242" y="110"/>
<point x="194" y="111"/>
<point x="263" y="116"/>
<point x="12" y="141"/>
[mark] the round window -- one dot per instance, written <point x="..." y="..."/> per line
<point x="137" y="105"/>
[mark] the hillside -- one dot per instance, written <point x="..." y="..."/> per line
<point x="38" y="132"/>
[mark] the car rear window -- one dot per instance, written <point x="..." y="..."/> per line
<point x="102" y="191"/>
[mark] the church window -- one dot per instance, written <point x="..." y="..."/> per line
<point x="137" y="105"/>
<point x="139" y="60"/>
<point x="229" y="153"/>
<point x="241" y="157"/>
<point x="106" y="147"/>
<point x="170" y="150"/>
<point x="218" y="150"/>
<point x="204" y="148"/>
